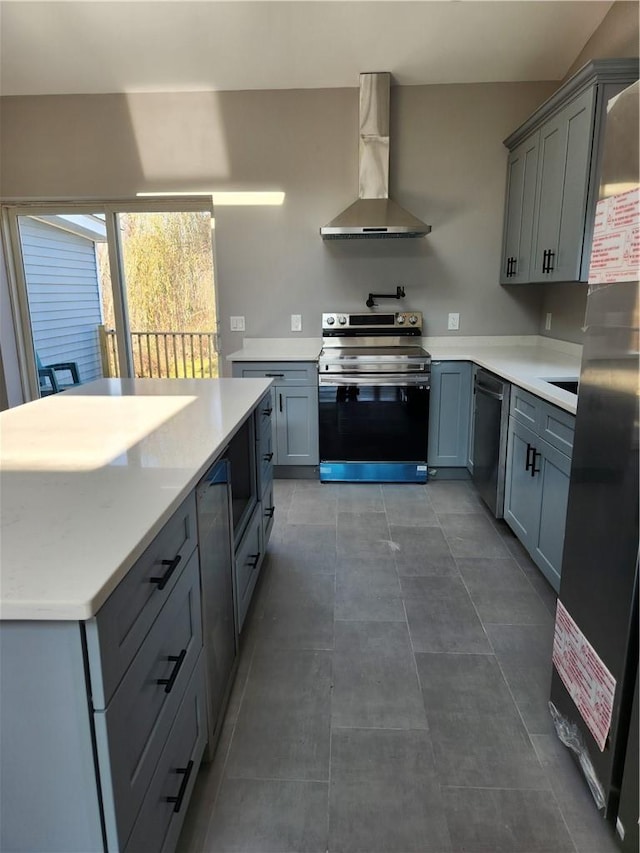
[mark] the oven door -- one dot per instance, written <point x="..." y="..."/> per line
<point x="374" y="428"/>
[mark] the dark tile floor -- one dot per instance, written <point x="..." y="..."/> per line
<point x="392" y="687"/>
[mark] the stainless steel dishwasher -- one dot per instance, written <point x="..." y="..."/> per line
<point x="491" y="423"/>
<point x="215" y="538"/>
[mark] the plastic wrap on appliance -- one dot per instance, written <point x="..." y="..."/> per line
<point x="571" y="737"/>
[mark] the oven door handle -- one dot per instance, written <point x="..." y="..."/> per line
<point x="396" y="380"/>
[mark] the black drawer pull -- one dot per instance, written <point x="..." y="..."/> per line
<point x="268" y="457"/>
<point x="169" y="682"/>
<point x="164" y="580"/>
<point x="185" y="772"/>
<point x="534" y="470"/>
<point x="528" y="459"/>
<point x="280" y="397"/>
<point x="267" y="412"/>
<point x="253" y="560"/>
<point x="275" y="375"/>
<point x="269" y="511"/>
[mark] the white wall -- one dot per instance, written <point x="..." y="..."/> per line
<point x="448" y="166"/>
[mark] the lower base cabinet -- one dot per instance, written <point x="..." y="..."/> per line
<point x="537" y="491"/>
<point x="104" y="721"/>
<point x="449" y="414"/>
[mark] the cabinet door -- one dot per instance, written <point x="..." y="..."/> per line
<point x="555" y="469"/>
<point x="579" y="135"/>
<point x="297" y="426"/>
<point x="449" y="407"/>
<point x="563" y="175"/>
<point x="522" y="170"/>
<point x="522" y="491"/>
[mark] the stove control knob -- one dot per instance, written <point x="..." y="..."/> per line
<point x="330" y="321"/>
<point x="401" y="319"/>
<point x="413" y="319"/>
<point x="342" y="320"/>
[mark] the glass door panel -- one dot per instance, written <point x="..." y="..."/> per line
<point x="168" y="280"/>
<point x="64" y="296"/>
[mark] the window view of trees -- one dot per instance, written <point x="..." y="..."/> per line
<point x="168" y="270"/>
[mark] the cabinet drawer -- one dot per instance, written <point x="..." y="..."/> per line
<point x="265" y="413"/>
<point x="132" y="731"/>
<point x="525" y="407"/>
<point x="266" y="458"/>
<point x="115" y="634"/>
<point x="248" y="559"/>
<point x="557" y="427"/>
<point x="161" y="816"/>
<point x="282" y="372"/>
<point x="268" y="512"/>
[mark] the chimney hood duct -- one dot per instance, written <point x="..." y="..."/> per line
<point x="374" y="214"/>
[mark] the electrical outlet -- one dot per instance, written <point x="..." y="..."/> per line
<point x="454" y="322"/>
<point x="237" y="324"/>
<point x="547" y="322"/>
<point x="296" y="322"/>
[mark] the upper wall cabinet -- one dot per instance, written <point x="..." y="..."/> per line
<point x="553" y="175"/>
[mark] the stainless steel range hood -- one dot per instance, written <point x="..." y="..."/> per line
<point x="374" y="214"/>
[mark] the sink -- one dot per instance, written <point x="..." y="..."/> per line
<point x="570" y="385"/>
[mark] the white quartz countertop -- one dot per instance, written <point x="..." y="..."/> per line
<point x="90" y="476"/>
<point x="278" y="349"/>
<point x="525" y="360"/>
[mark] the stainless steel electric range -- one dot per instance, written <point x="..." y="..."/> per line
<point x="374" y="382"/>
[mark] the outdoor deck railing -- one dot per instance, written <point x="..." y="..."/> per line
<point x="163" y="355"/>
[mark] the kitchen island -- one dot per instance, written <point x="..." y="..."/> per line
<point x="103" y="722"/>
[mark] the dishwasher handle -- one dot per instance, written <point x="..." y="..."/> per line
<point x="484" y="390"/>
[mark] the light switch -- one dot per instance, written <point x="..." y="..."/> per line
<point x="237" y="324"/>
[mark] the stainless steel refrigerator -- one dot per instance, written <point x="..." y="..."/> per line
<point x="594" y="686"/>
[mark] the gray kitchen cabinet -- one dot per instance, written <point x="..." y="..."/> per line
<point x="537" y="479"/>
<point x="90" y="714"/>
<point x="553" y="177"/>
<point x="472" y="414"/>
<point x="522" y="171"/>
<point x="563" y="180"/>
<point x="297" y="426"/>
<point x="295" y="403"/>
<point x="104" y="720"/>
<point x="449" y="414"/>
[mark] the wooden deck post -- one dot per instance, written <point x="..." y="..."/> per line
<point x="104" y="351"/>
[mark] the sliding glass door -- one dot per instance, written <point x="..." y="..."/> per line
<point x="113" y="290"/>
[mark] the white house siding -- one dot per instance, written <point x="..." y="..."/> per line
<point x="64" y="296"/>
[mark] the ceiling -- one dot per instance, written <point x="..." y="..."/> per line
<point x="80" y="46"/>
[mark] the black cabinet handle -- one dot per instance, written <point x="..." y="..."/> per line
<point x="268" y="457"/>
<point x="275" y="375"/>
<point x="547" y="260"/>
<point x="527" y="464"/>
<point x="280" y="397"/>
<point x="164" y="580"/>
<point x="269" y="511"/>
<point x="169" y="682"/>
<point x="534" y="470"/>
<point x="511" y="266"/>
<point x="267" y="412"/>
<point x="253" y="560"/>
<point x="185" y="772"/>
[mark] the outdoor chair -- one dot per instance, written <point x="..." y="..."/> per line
<point x="50" y="383"/>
